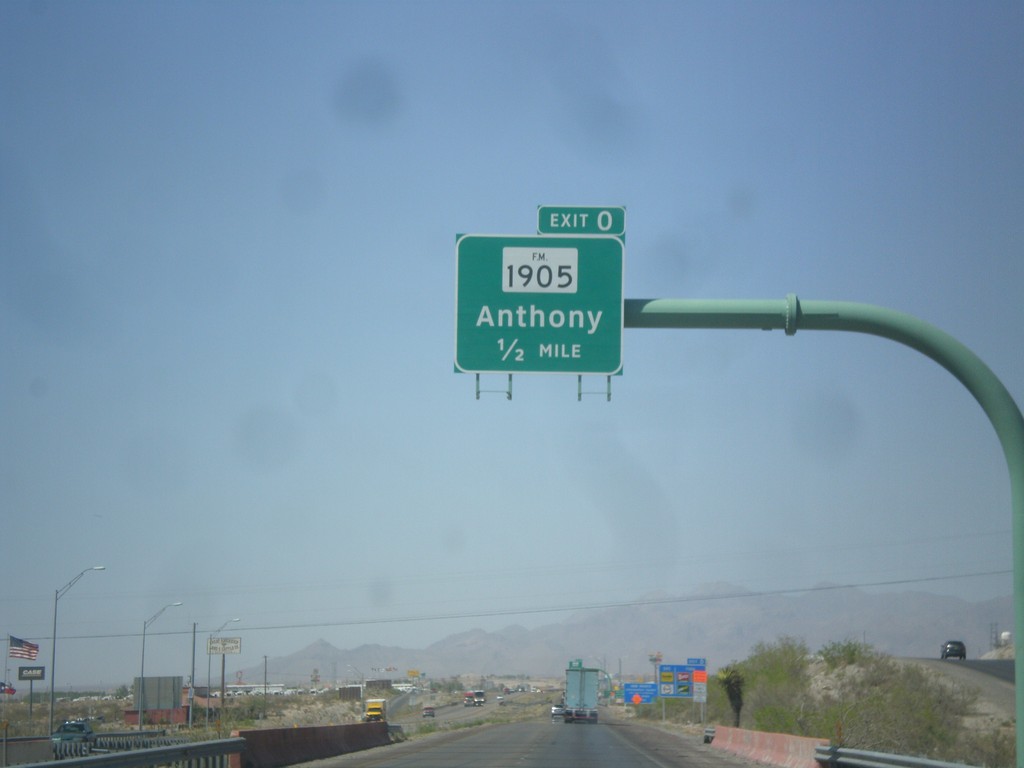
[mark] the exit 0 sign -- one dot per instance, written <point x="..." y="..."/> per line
<point x="581" y="220"/>
<point x="538" y="304"/>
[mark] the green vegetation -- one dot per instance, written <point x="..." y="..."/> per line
<point x="846" y="654"/>
<point x="731" y="680"/>
<point x="853" y="696"/>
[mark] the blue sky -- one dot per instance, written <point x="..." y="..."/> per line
<point x="227" y="278"/>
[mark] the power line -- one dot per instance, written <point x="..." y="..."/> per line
<point x="574" y="608"/>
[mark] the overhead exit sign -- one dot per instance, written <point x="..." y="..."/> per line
<point x="538" y="304"/>
<point x="581" y="220"/>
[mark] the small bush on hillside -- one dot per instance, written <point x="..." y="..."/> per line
<point x="777" y="682"/>
<point x="846" y="654"/>
<point x="997" y="750"/>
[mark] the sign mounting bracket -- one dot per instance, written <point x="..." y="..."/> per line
<point x="507" y="392"/>
<point x="580" y="392"/>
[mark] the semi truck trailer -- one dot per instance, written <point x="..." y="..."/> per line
<point x="580" y="695"/>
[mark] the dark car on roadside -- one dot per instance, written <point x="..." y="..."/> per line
<point x="953" y="649"/>
<point x="73" y="738"/>
<point x="74" y="730"/>
<point x="428" y="711"/>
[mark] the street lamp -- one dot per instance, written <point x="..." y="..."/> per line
<point x="362" y="685"/>
<point x="359" y="674"/>
<point x="655" y="659"/>
<point x="53" y="651"/>
<point x="142" y="672"/>
<point x="208" y="681"/>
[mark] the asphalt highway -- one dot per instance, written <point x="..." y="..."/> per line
<point x="545" y="744"/>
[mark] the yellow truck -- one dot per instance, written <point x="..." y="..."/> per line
<point x="376" y="710"/>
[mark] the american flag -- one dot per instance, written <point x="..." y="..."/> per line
<point x="22" y="649"/>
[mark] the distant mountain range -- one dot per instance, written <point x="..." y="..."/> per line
<point x="719" y="622"/>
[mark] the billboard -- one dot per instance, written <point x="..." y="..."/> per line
<point x="161" y="692"/>
<point x="217" y="646"/>
<point x="31" y="673"/>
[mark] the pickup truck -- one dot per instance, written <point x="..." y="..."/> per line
<point x="74" y="730"/>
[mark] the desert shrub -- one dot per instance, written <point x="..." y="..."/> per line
<point x="895" y="708"/>
<point x="846" y="653"/>
<point x="776" y="688"/>
<point x="995" y="749"/>
<point x="778" y="719"/>
<point x="782" y="662"/>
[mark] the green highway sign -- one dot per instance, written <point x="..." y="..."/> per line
<point x="538" y="304"/>
<point x="581" y="220"/>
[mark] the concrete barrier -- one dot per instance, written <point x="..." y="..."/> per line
<point x="27" y="750"/>
<point x="277" y="747"/>
<point x="777" y="749"/>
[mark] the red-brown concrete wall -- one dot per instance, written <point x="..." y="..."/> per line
<point x="158" y="717"/>
<point x="286" y="746"/>
<point x="771" y="748"/>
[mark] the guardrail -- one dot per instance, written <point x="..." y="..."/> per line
<point x="839" y="757"/>
<point x="119" y="741"/>
<point x="198" y="754"/>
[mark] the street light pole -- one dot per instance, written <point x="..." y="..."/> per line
<point x="142" y="672"/>
<point x="362" y="687"/>
<point x="192" y="678"/>
<point x="359" y="675"/>
<point x="53" y="650"/>
<point x="208" y="668"/>
<point x="264" y="687"/>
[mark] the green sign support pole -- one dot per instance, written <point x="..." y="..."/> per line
<point x="791" y="314"/>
